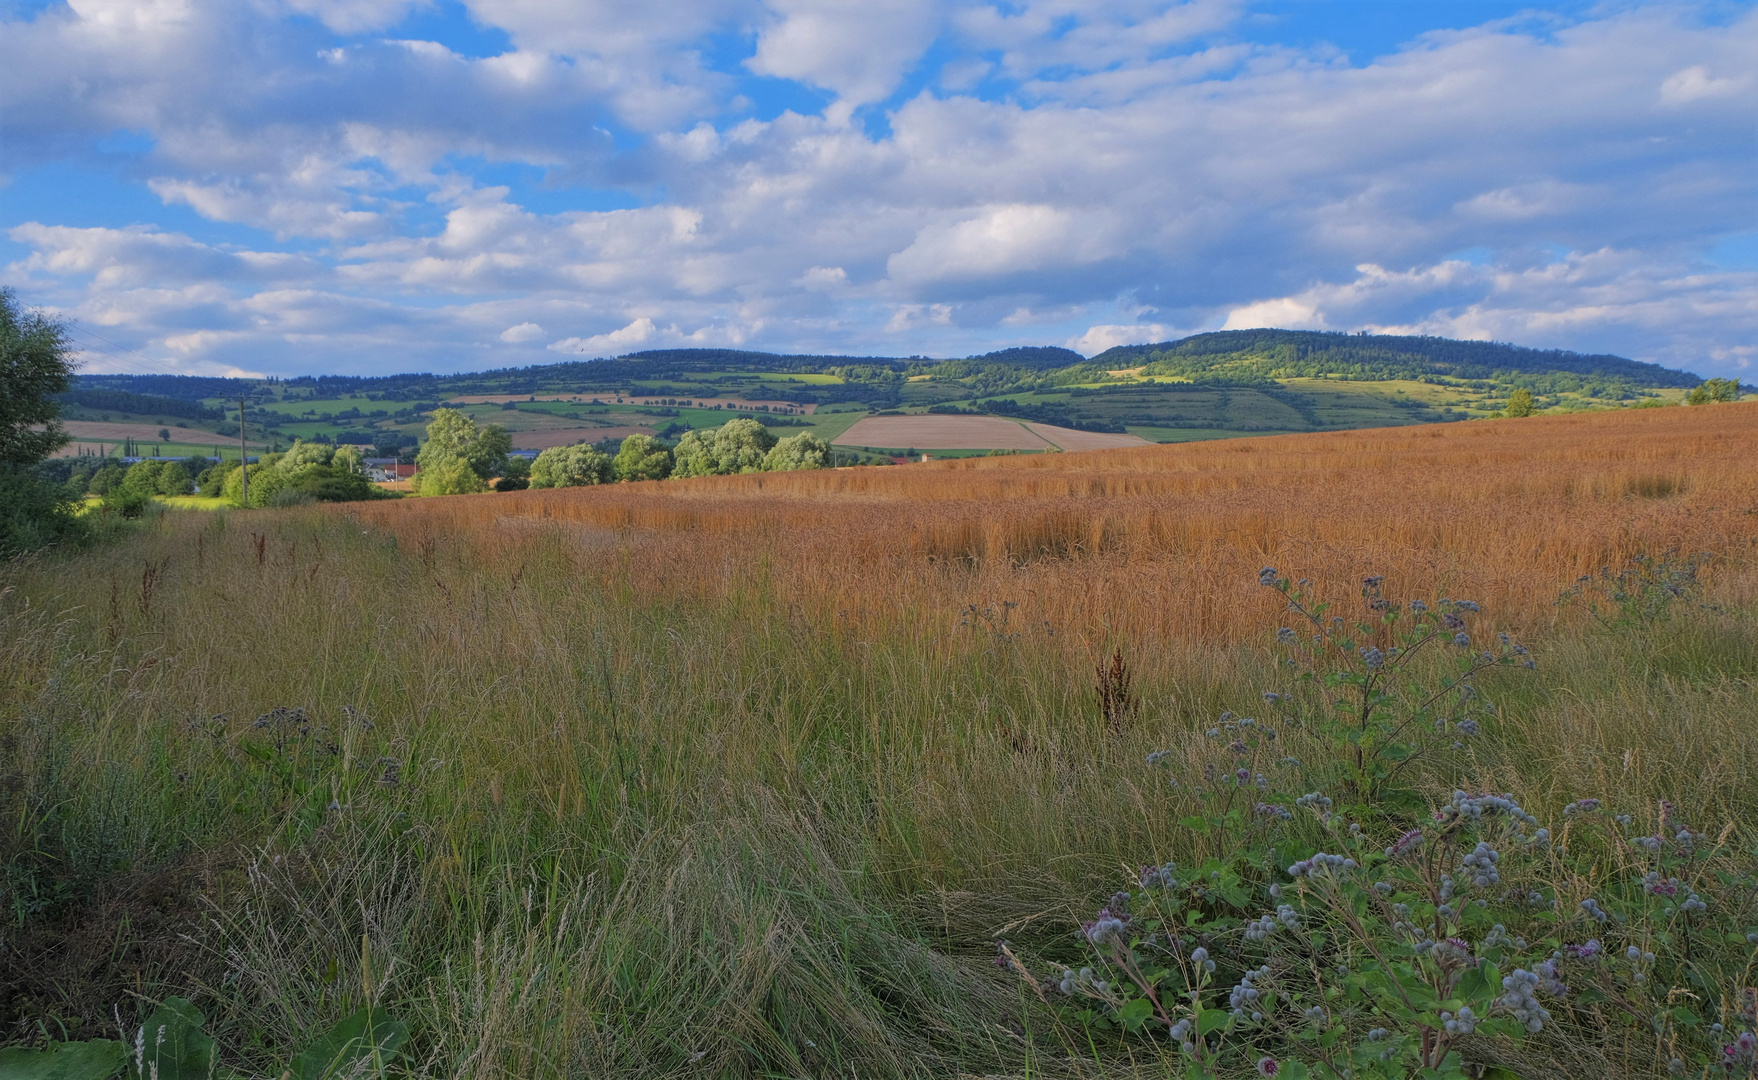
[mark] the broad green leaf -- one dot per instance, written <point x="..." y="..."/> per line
<point x="1130" y="1016"/>
<point x="362" y="1037"/>
<point x="98" y="1059"/>
<point x="174" y="1045"/>
<point x="1211" y="1020"/>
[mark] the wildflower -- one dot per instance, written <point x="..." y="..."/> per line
<point x="1591" y="907"/>
<point x="1587" y="950"/>
<point x="1159" y="876"/>
<point x="1320" y="862"/>
<point x="1272" y="697"/>
<point x="1378" y="1034"/>
<point x="1404" y="843"/>
<point x="1373" y="658"/>
<point x="1462" y="639"/>
<point x="1272" y="810"/>
<point x="1467" y="727"/>
<point x="1519" y="1000"/>
<point x="1286" y="636"/>
<point x="1480" y="864"/>
<point x="1417" y="607"/>
<point x="1464" y="1022"/>
<point x="1267" y="576"/>
<point x="1268" y="1066"/>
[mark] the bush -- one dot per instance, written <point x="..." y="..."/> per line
<point x="570" y="466"/>
<point x="34" y="512"/>
<point x="1372" y="935"/>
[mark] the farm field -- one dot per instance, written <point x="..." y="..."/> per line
<point x="753" y="776"/>
<point x="94" y="430"/>
<point x="934" y="432"/>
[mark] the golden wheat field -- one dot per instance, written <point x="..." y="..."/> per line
<point x="1163" y="544"/>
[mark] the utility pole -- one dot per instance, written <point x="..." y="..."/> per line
<point x="243" y="459"/>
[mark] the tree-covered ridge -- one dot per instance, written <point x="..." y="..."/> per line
<point x="1285" y="354"/>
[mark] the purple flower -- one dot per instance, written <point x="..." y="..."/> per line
<point x="1268" y="1066"/>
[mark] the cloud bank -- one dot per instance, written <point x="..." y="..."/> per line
<point x="368" y="186"/>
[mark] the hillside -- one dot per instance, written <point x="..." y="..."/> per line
<point x="1214" y="385"/>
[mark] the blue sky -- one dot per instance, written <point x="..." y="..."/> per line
<point x="369" y="186"/>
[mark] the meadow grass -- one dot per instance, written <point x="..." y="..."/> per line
<point x="747" y="777"/>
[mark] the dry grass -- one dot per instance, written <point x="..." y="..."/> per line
<point x="1162" y="545"/>
<point x="742" y="777"/>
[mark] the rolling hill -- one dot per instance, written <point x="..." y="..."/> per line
<point x="1213" y="385"/>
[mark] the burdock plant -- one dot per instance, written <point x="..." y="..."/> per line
<point x="1364" y="689"/>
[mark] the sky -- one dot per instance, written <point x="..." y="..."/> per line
<point x="365" y="187"/>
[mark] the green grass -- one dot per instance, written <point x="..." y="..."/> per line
<point x="566" y="827"/>
<point x="194" y="502"/>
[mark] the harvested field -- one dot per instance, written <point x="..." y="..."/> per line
<point x="1070" y="439"/>
<point x="90" y="430"/>
<point x="942" y="433"/>
<point x="544" y="439"/>
<point x="609" y="399"/>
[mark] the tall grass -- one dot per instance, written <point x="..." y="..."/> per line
<point x="746" y="777"/>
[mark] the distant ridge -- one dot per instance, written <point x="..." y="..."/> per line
<point x="1243" y="357"/>
<point x="1296" y="353"/>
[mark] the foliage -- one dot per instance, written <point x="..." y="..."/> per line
<point x="642" y="457"/>
<point x="172" y="1045"/>
<point x="738" y="446"/>
<point x="459" y="457"/>
<point x="307" y="472"/>
<point x="795" y="452"/>
<point x="36" y="363"/>
<point x="35" y="512"/>
<point x="1714" y="390"/>
<point x="570" y="466"/>
<point x="1519" y="402"/>
<point x="1369" y="940"/>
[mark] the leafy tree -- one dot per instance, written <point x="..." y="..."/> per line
<point x="516" y="476"/>
<point x="456" y="445"/>
<point x="1714" y="390"/>
<point x="142" y="478"/>
<point x="164" y="434"/>
<point x="174" y="479"/>
<point x="802" y="451"/>
<point x="642" y="457"/>
<point x="35" y="364"/>
<point x="738" y="446"/>
<point x="1520" y="402"/>
<point x="348" y="459"/>
<point x="107" y="477"/>
<point x="570" y="466"/>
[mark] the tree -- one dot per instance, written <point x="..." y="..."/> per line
<point x="642" y="457"/>
<point x="738" y="446"/>
<point x="1520" y="402"/>
<point x="1715" y="390"/>
<point x="802" y="451"/>
<point x="570" y="466"/>
<point x="174" y="479"/>
<point x="35" y="363"/>
<point x="454" y="440"/>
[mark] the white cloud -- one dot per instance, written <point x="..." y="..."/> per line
<point x="633" y="334"/>
<point x="1695" y="83"/>
<point x="1141" y="167"/>
<point x="518" y="335"/>
<point x="858" y="48"/>
<point x="1108" y="336"/>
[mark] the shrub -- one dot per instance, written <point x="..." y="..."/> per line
<point x="1361" y="936"/>
<point x="570" y="466"/>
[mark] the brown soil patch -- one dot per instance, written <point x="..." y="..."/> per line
<point x="1070" y="439"/>
<point x="147" y="433"/>
<point x="613" y="399"/>
<point x="933" y="432"/>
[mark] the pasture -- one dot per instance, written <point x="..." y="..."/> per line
<point x="748" y="776"/>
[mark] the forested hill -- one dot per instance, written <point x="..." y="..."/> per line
<point x="1242" y="358"/>
<point x="1285" y="354"/>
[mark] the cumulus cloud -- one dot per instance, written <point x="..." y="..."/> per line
<point x="1086" y="171"/>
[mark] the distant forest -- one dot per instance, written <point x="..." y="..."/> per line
<point x="1233" y="358"/>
